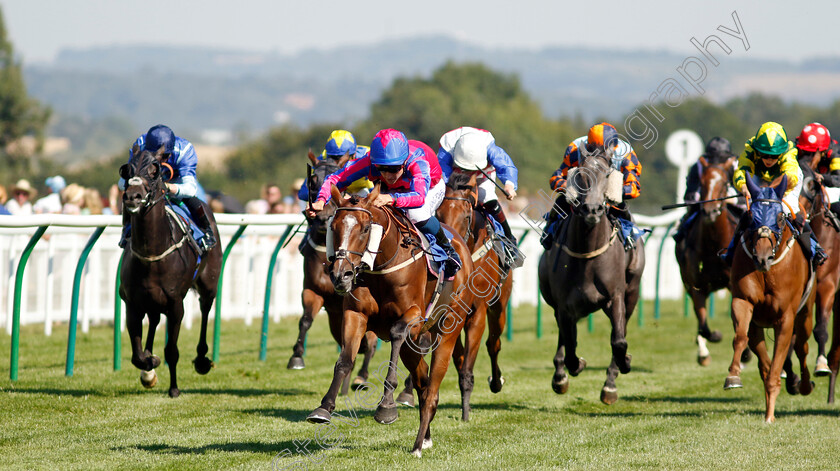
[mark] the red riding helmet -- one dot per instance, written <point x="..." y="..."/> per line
<point x="813" y="138"/>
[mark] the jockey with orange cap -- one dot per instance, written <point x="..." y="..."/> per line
<point x="767" y="156"/>
<point x="600" y="138"/>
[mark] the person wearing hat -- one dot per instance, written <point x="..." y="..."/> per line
<point x="339" y="143"/>
<point x="769" y="155"/>
<point x="19" y="205"/>
<point x="718" y="151"/>
<point x="179" y="155"/>
<point x="52" y="202"/>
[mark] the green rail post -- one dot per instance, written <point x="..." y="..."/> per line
<point x="217" y="322"/>
<point x="24" y="257"/>
<point x="539" y="310"/>
<point x="659" y="270"/>
<point x="509" y="326"/>
<point x="590" y="323"/>
<point x="74" y="301"/>
<point x="712" y="305"/>
<point x="641" y="318"/>
<point x="268" y="280"/>
<point x="118" y="320"/>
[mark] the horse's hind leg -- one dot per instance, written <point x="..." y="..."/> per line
<point x="387" y="413"/>
<point x="803" y="325"/>
<point x="609" y="393"/>
<point x="202" y="364"/>
<point x="418" y="375"/>
<point x="560" y="380"/>
<point x="473" y="331"/>
<point x="430" y="397"/>
<point x="497" y="317"/>
<point x="312" y="303"/>
<point x="791" y="378"/>
<point x="772" y="380"/>
<point x="834" y="352"/>
<point x="698" y="299"/>
<point x="370" y="349"/>
<point x="823" y="307"/>
<point x="618" y="337"/>
<point x="173" y="328"/>
<point x="741" y="317"/>
<point x="573" y="363"/>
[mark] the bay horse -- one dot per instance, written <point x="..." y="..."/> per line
<point x="591" y="270"/>
<point x="490" y="282"/>
<point x="318" y="289"/>
<point x="768" y="280"/>
<point x="701" y="269"/>
<point x="159" y="265"/>
<point x="814" y="200"/>
<point x="386" y="286"/>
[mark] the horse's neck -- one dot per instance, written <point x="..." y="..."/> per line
<point x="718" y="232"/>
<point x="584" y="238"/>
<point x="150" y="230"/>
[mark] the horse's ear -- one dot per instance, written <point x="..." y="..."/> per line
<point x="703" y="161"/>
<point x="135" y="149"/>
<point x="473" y="179"/>
<point x="154" y="170"/>
<point x="336" y="196"/>
<point x="374" y="193"/>
<point x="343" y="160"/>
<point x="124" y="171"/>
<point x="159" y="153"/>
<point x="730" y="162"/>
<point x="781" y="187"/>
<point x="312" y="157"/>
<point x="752" y="186"/>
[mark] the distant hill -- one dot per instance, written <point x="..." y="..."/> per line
<point x="197" y="89"/>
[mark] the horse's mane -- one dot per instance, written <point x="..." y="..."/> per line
<point x="459" y="181"/>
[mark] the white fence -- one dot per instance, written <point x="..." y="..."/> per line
<point x="48" y="280"/>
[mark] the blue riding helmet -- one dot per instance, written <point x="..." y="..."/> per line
<point x="389" y="147"/>
<point x="160" y="136"/>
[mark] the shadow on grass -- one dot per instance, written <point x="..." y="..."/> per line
<point x="234" y="447"/>
<point x="248" y="392"/>
<point x="686" y="400"/>
<point x="299" y="415"/>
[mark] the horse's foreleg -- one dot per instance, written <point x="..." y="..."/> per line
<point x="758" y="344"/>
<point x="387" y="413"/>
<point x="609" y="393"/>
<point x="134" y="325"/>
<point x="312" y="303"/>
<point x="834" y="352"/>
<point x="173" y="329"/>
<point x="202" y="363"/>
<point x="824" y="301"/>
<point x="560" y="381"/>
<point x="370" y="348"/>
<point x="618" y="338"/>
<point x="803" y="324"/>
<point x="573" y="363"/>
<point x="473" y="331"/>
<point x="698" y="300"/>
<point x="741" y="317"/>
<point x="773" y="381"/>
<point x="430" y="397"/>
<point x="154" y="320"/>
<point x="419" y="376"/>
<point x="355" y="326"/>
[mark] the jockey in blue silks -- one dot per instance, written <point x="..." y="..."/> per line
<point x="179" y="155"/>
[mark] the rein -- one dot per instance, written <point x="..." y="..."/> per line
<point x="471" y="209"/>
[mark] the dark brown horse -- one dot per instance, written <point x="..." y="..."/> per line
<point x="769" y="278"/>
<point x="814" y="200"/>
<point x="159" y="266"/>
<point x="591" y="270"/>
<point x="318" y="289"/>
<point x="386" y="287"/>
<point x="490" y="281"/>
<point x="702" y="271"/>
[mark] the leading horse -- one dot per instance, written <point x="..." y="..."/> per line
<point x="769" y="278"/>
<point x="318" y="290"/>
<point x="159" y="265"/>
<point x="702" y="271"/>
<point x="590" y="271"/>
<point x="381" y="271"/>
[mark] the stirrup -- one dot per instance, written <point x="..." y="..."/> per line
<point x="207" y="242"/>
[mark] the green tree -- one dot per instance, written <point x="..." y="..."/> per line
<point x="19" y="115"/>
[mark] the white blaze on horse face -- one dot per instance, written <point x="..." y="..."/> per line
<point x="714" y="183"/>
<point x="135" y="181"/>
<point x="349" y="223"/>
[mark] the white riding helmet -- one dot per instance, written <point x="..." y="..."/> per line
<point x="471" y="150"/>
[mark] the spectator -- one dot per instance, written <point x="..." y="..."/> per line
<point x="92" y="201"/>
<point x="278" y="208"/>
<point x="22" y="192"/>
<point x="291" y="207"/>
<point x="73" y="197"/>
<point x="52" y="202"/>
<point x="269" y="194"/>
<point x="115" y="199"/>
<point x="3" y="197"/>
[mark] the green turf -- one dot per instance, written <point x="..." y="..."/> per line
<point x="671" y="414"/>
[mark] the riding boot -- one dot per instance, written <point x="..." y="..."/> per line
<point x="729" y="255"/>
<point x="201" y="217"/>
<point x="809" y="241"/>
<point x="126" y="232"/>
<point x="494" y="209"/>
<point x="553" y="220"/>
<point x="454" y="263"/>
<point x="621" y="211"/>
<point x="684" y="225"/>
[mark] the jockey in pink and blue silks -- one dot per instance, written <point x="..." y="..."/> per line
<point x="411" y="180"/>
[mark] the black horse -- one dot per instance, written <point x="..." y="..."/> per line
<point x="318" y="290"/>
<point x="159" y="265"/>
<point x="591" y="270"/>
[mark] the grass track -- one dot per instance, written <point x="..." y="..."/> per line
<point x="671" y="414"/>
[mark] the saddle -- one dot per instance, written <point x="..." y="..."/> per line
<point x="181" y="215"/>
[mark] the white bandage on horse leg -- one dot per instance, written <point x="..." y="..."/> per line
<point x="571" y="187"/>
<point x="615" y="187"/>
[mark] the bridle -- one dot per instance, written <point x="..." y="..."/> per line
<point x="764" y="232"/>
<point x="470" y="208"/>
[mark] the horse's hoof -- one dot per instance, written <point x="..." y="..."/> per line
<point x="609" y="395"/>
<point x="576" y="371"/>
<point x="155" y="361"/>
<point x="770" y="420"/>
<point x="732" y="382"/>
<point x="806" y="388"/>
<point x="792" y="385"/>
<point x="296" y="363"/>
<point x="427" y="443"/>
<point x="624" y="367"/>
<point x="746" y="356"/>
<point x="203" y="365"/>
<point x="406" y="399"/>
<point x="561" y="386"/>
<point x="704" y="360"/>
<point x="386" y="415"/>
<point x="783" y="375"/>
<point x="149" y="379"/>
<point x="417" y="453"/>
<point x="358" y="382"/>
<point x="496" y="386"/>
<point x="822" y="368"/>
<point x="174" y="392"/>
<point x="319" y="416"/>
<point x="714" y="336"/>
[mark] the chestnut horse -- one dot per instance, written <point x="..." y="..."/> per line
<point x="318" y="289"/>
<point x="702" y="271"/>
<point x="769" y="278"/>
<point x="591" y="270"/>
<point x="380" y="269"/>
<point x="159" y="265"/>
<point x="814" y="200"/>
<point x="493" y="285"/>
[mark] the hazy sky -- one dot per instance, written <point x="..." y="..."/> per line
<point x="41" y="28"/>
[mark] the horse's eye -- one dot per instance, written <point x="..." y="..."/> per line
<point x="366" y="230"/>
